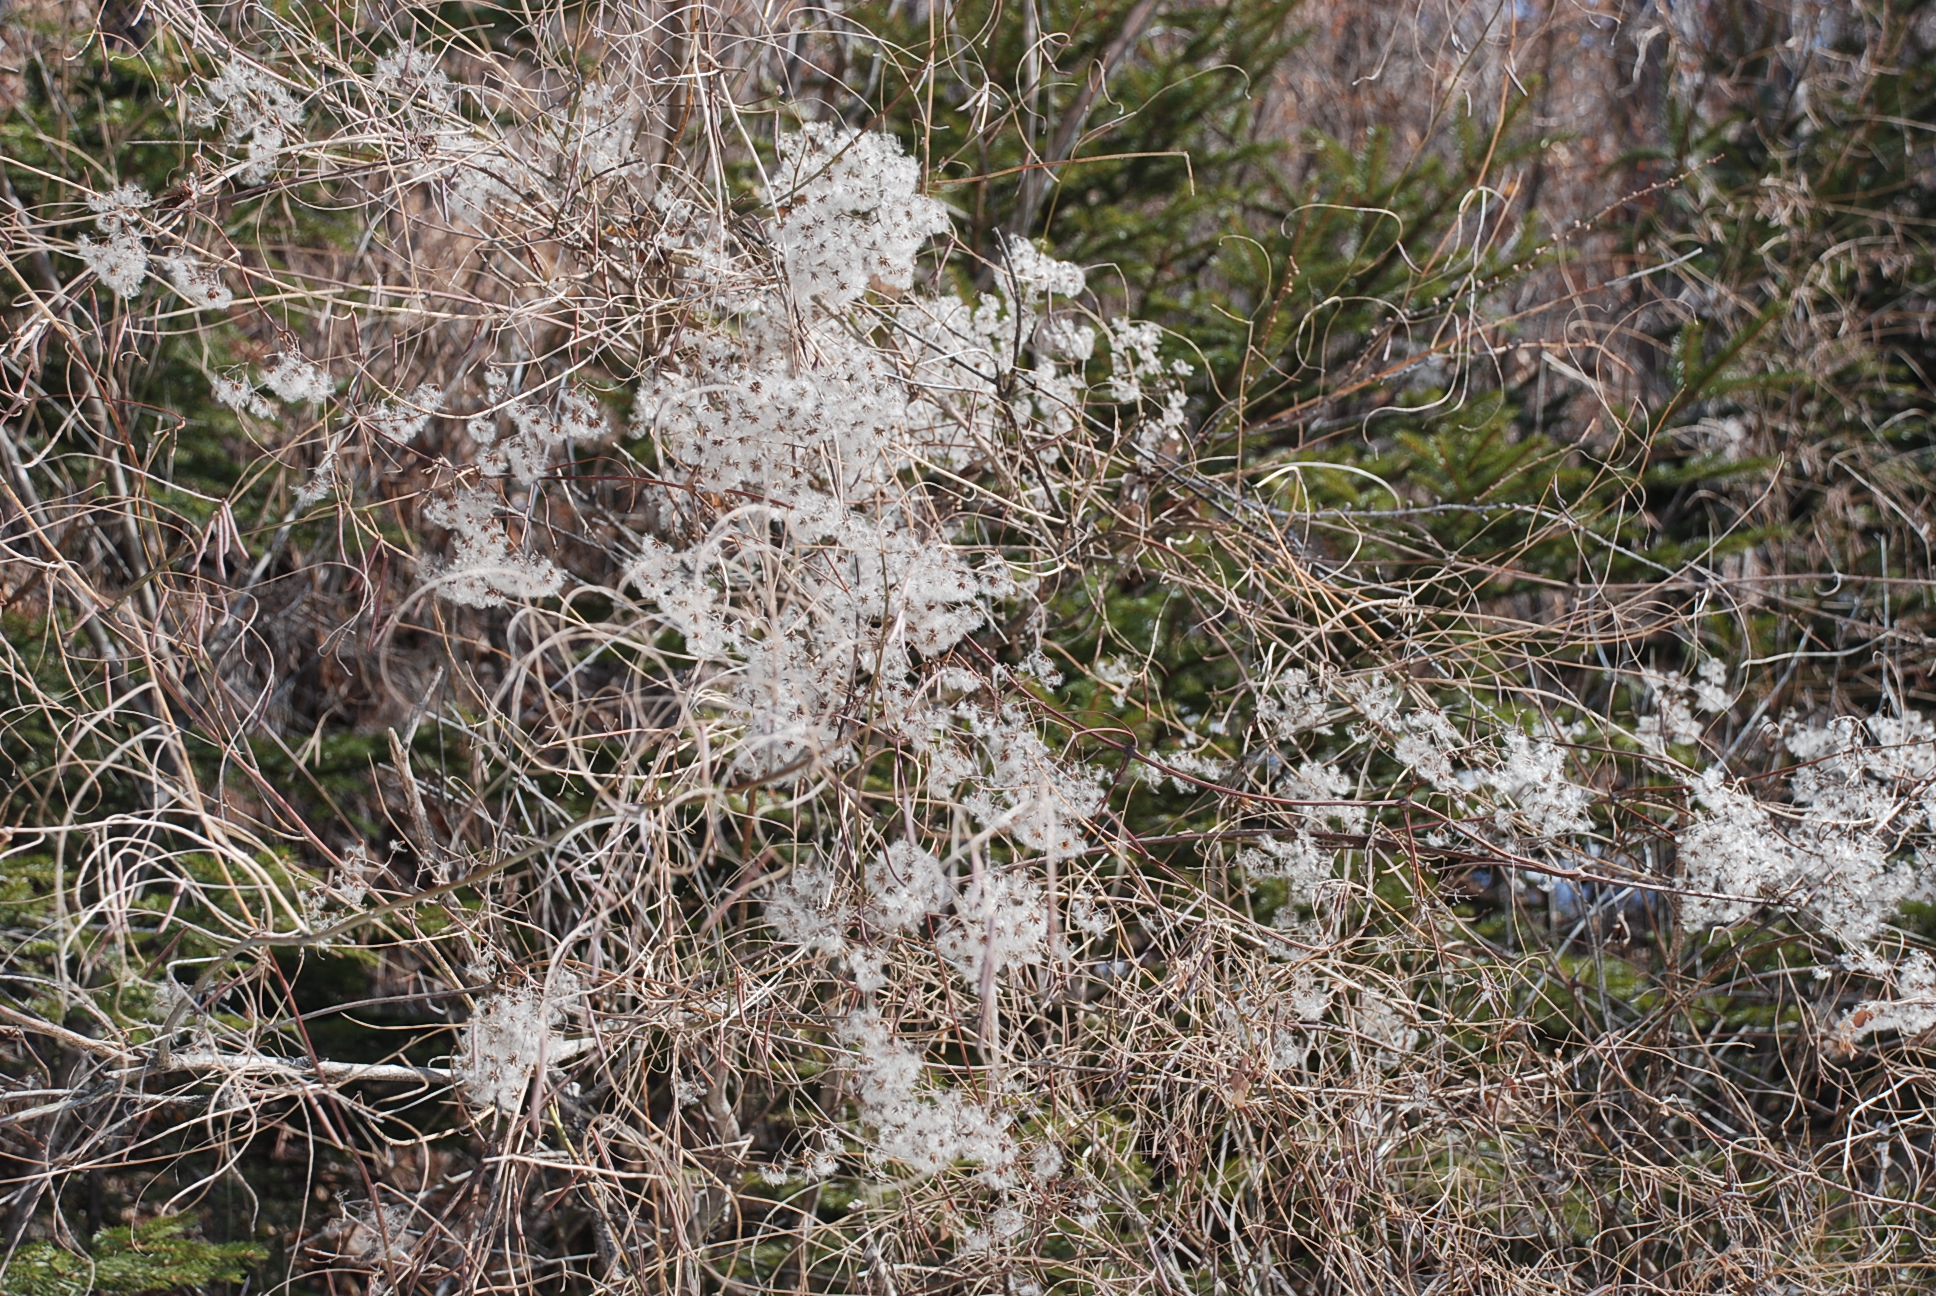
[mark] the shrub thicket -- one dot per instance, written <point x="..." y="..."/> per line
<point x="916" y="648"/>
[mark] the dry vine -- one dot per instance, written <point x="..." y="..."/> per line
<point x="766" y="910"/>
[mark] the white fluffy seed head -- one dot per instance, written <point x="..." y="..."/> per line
<point x="501" y="1048"/>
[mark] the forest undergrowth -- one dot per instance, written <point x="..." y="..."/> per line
<point x="965" y="648"/>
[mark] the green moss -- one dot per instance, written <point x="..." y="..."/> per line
<point x="153" y="1257"/>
